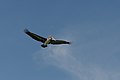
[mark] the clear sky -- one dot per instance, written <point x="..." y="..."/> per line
<point x="93" y="27"/>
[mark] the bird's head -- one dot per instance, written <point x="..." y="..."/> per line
<point x="50" y="37"/>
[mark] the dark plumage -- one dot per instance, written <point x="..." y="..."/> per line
<point x="45" y="41"/>
<point x="35" y="36"/>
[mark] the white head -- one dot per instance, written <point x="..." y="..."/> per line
<point x="50" y="37"/>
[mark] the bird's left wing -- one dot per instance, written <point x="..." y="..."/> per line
<point x="59" y="42"/>
<point x="35" y="36"/>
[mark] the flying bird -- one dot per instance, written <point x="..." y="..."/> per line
<point x="45" y="41"/>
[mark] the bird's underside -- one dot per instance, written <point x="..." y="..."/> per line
<point x="45" y="41"/>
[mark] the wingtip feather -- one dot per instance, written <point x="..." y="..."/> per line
<point x="26" y="30"/>
<point x="69" y="42"/>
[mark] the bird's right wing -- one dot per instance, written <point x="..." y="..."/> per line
<point x="56" y="42"/>
<point x="35" y="36"/>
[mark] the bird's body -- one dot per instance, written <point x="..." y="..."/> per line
<point x="45" y="41"/>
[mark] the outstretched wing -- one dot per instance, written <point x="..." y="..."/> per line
<point x="59" y="42"/>
<point x="35" y="36"/>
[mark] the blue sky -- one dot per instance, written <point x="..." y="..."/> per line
<point x="93" y="27"/>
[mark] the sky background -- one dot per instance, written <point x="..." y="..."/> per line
<point x="93" y="27"/>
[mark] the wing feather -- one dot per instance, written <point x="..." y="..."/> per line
<point x="59" y="42"/>
<point x="35" y="36"/>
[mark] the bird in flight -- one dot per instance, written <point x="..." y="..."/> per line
<point x="45" y="41"/>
